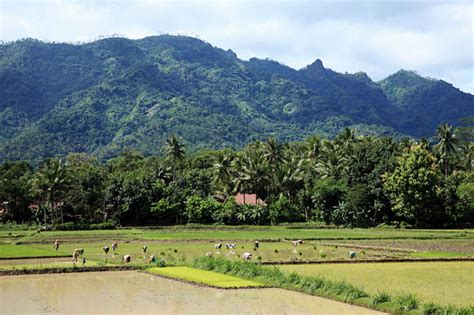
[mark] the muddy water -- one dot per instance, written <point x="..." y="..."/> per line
<point x="34" y="261"/>
<point x="133" y="292"/>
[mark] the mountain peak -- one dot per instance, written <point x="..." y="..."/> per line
<point x="406" y="78"/>
<point x="315" y="70"/>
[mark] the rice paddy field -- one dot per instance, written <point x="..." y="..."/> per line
<point x="448" y="283"/>
<point x="205" y="277"/>
<point x="437" y="268"/>
<point x="121" y="292"/>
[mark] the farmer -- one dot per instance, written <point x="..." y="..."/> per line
<point x="256" y="245"/>
<point x="76" y="254"/>
<point x="152" y="259"/>
<point x="144" y="248"/>
<point x="247" y="256"/>
<point x="114" y="246"/>
<point x="56" y="244"/>
<point x="126" y="259"/>
<point x="295" y="243"/>
<point x="106" y="249"/>
<point x="83" y="261"/>
<point x="218" y="246"/>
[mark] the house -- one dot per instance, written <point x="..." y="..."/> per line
<point x="248" y="199"/>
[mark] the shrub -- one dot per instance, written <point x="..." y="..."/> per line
<point x="406" y="302"/>
<point x="380" y="297"/>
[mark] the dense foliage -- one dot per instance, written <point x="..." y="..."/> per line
<point x="351" y="180"/>
<point x="102" y="97"/>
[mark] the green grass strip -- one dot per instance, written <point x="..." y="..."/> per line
<point x="21" y="251"/>
<point x="47" y="265"/>
<point x="199" y="276"/>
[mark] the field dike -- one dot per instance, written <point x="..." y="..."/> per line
<point x="204" y="278"/>
<point x="47" y="270"/>
<point x="366" y="261"/>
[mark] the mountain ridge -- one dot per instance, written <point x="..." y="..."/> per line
<point x="116" y="93"/>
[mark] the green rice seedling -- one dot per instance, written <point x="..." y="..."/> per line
<point x="362" y="252"/>
<point x="275" y="251"/>
<point x="380" y="297"/>
<point x="300" y="253"/>
<point x="406" y="302"/>
<point x="175" y="250"/>
<point x="432" y="309"/>
<point x="294" y="278"/>
<point x="323" y="255"/>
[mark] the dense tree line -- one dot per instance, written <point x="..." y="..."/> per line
<point x="351" y="180"/>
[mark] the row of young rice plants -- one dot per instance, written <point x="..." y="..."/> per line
<point x="336" y="290"/>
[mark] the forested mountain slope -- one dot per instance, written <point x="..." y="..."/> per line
<point x="117" y="93"/>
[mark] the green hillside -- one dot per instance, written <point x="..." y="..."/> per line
<point x="116" y="93"/>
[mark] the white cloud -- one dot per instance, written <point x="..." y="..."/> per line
<point x="434" y="38"/>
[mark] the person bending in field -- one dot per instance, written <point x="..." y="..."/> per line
<point x="295" y="243"/>
<point x="56" y="244"/>
<point x="152" y="259"/>
<point x="76" y="254"/>
<point x="114" y="246"/>
<point x="126" y="259"/>
<point x="144" y="248"/>
<point x="106" y="249"/>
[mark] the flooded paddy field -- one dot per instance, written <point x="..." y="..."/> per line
<point x="126" y="292"/>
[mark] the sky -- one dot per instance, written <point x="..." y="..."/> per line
<point x="434" y="38"/>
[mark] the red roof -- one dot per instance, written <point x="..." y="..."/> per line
<point x="249" y="199"/>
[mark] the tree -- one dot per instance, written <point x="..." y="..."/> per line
<point x="446" y="146"/>
<point x="273" y="152"/>
<point x="175" y="151"/>
<point x="412" y="187"/>
<point x="50" y="184"/>
<point x="252" y="174"/>
<point x="14" y="190"/>
<point x="222" y="171"/>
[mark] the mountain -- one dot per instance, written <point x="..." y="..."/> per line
<point x="116" y="93"/>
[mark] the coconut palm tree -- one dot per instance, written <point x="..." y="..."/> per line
<point x="287" y="177"/>
<point x="447" y="142"/>
<point x="333" y="160"/>
<point x="49" y="184"/>
<point x="222" y="169"/>
<point x="175" y="152"/>
<point x="273" y="152"/>
<point x="252" y="173"/>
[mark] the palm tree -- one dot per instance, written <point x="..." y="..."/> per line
<point x="446" y="146"/>
<point x="252" y="173"/>
<point x="175" y="152"/>
<point x="50" y="182"/>
<point x="287" y="177"/>
<point x="333" y="160"/>
<point x="273" y="152"/>
<point x="222" y="168"/>
<point x="313" y="146"/>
